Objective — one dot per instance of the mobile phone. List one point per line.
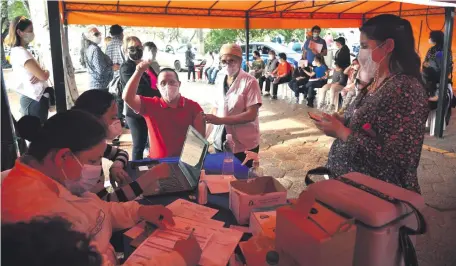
(314, 117)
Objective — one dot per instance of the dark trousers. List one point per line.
(191, 69)
(241, 156)
(268, 80)
(311, 85)
(31, 107)
(298, 86)
(275, 86)
(139, 134)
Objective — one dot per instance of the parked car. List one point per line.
(175, 58)
(264, 48)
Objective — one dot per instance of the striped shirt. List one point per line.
(114, 51)
(99, 67)
(122, 194)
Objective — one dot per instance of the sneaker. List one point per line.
(274, 97)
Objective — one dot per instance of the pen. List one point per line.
(191, 234)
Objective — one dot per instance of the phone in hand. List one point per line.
(314, 116)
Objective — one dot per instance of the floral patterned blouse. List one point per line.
(391, 149)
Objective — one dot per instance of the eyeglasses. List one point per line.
(228, 62)
(134, 48)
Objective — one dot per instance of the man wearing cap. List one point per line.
(236, 105)
(342, 57)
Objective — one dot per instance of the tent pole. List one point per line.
(247, 39)
(440, 116)
(419, 37)
(57, 60)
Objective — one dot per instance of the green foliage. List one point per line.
(216, 38)
(17, 8)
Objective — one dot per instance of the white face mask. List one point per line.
(114, 130)
(315, 35)
(231, 70)
(169, 93)
(90, 175)
(95, 39)
(28, 37)
(368, 67)
(314, 63)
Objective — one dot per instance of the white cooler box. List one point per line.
(378, 221)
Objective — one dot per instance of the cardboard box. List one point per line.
(260, 192)
(324, 237)
(263, 223)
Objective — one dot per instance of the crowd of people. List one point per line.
(380, 132)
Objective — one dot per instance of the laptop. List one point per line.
(185, 174)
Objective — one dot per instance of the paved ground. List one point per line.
(290, 146)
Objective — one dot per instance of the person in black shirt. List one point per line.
(300, 79)
(342, 57)
(271, 65)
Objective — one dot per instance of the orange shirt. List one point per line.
(283, 69)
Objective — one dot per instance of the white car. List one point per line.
(175, 58)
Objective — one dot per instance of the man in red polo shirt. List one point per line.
(168, 117)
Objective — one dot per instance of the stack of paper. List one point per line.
(218, 243)
(218, 184)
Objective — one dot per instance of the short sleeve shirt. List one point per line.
(284, 68)
(310, 55)
(243, 93)
(167, 126)
(18, 57)
(320, 71)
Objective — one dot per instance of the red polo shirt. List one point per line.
(167, 126)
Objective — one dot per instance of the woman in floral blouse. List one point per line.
(382, 131)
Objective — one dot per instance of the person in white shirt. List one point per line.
(50, 180)
(209, 64)
(236, 105)
(30, 78)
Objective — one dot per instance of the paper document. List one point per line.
(163, 241)
(303, 63)
(220, 247)
(218, 183)
(315, 46)
(190, 210)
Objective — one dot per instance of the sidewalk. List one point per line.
(291, 145)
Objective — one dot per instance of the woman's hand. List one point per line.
(119, 174)
(143, 66)
(212, 119)
(156, 214)
(333, 127)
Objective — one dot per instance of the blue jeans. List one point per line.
(31, 107)
(139, 135)
(213, 75)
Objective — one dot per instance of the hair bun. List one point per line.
(29, 128)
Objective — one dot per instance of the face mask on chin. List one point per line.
(90, 175)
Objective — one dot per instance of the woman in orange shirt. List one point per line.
(283, 72)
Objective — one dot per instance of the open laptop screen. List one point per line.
(193, 154)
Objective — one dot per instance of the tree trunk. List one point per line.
(39, 16)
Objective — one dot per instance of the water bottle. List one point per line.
(272, 258)
(228, 149)
(256, 170)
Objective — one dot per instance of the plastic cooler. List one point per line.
(378, 221)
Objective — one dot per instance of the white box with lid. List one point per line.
(378, 220)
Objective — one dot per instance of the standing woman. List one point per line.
(98, 64)
(237, 104)
(30, 77)
(382, 131)
(136, 122)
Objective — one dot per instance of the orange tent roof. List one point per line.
(232, 14)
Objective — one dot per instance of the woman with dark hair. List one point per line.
(147, 87)
(282, 74)
(436, 40)
(257, 65)
(342, 57)
(102, 105)
(30, 78)
(382, 131)
(49, 180)
(99, 66)
(318, 78)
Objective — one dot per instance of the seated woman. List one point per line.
(328, 95)
(283, 74)
(49, 180)
(349, 91)
(257, 65)
(318, 78)
(300, 79)
(103, 106)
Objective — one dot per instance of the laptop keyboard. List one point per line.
(172, 183)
